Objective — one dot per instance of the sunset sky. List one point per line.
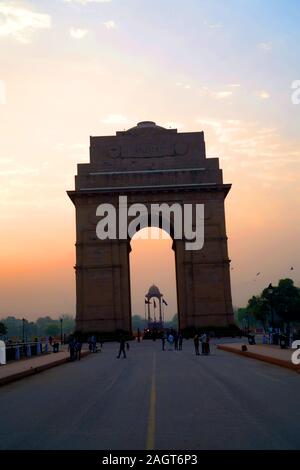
(74, 68)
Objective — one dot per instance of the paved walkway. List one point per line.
(19, 369)
(263, 352)
(157, 399)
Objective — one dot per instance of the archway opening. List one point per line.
(153, 281)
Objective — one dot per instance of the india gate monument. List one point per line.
(150, 164)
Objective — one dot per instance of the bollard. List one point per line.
(17, 354)
(2, 353)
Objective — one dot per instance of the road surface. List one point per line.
(154, 400)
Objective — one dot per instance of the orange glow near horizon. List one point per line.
(152, 261)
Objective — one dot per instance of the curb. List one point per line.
(36, 370)
(261, 357)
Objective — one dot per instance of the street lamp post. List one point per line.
(270, 293)
(247, 324)
(61, 330)
(23, 329)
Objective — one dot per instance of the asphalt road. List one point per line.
(154, 399)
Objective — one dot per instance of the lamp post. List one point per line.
(23, 329)
(61, 330)
(248, 324)
(270, 295)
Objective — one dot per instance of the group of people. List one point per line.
(173, 338)
(74, 349)
(92, 342)
(204, 340)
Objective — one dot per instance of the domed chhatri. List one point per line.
(154, 292)
(146, 127)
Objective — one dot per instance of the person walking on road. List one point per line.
(78, 346)
(71, 349)
(207, 347)
(196, 344)
(170, 341)
(176, 341)
(122, 347)
(203, 343)
(180, 338)
(94, 344)
(163, 341)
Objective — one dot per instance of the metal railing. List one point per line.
(17, 351)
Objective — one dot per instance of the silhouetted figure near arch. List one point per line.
(122, 347)
(163, 342)
(78, 346)
(196, 344)
(176, 341)
(72, 349)
(203, 343)
(180, 339)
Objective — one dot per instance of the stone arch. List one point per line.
(150, 164)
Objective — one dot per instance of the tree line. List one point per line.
(275, 306)
(13, 328)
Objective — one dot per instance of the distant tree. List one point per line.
(13, 325)
(138, 322)
(259, 309)
(3, 329)
(287, 301)
(284, 300)
(173, 323)
(53, 329)
(68, 324)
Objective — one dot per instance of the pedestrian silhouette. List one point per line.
(163, 342)
(196, 344)
(71, 349)
(78, 346)
(176, 341)
(122, 347)
(180, 338)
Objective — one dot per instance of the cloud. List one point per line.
(263, 94)
(265, 46)
(85, 2)
(20, 22)
(217, 25)
(185, 86)
(19, 171)
(110, 24)
(219, 95)
(250, 144)
(115, 119)
(78, 33)
(222, 94)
